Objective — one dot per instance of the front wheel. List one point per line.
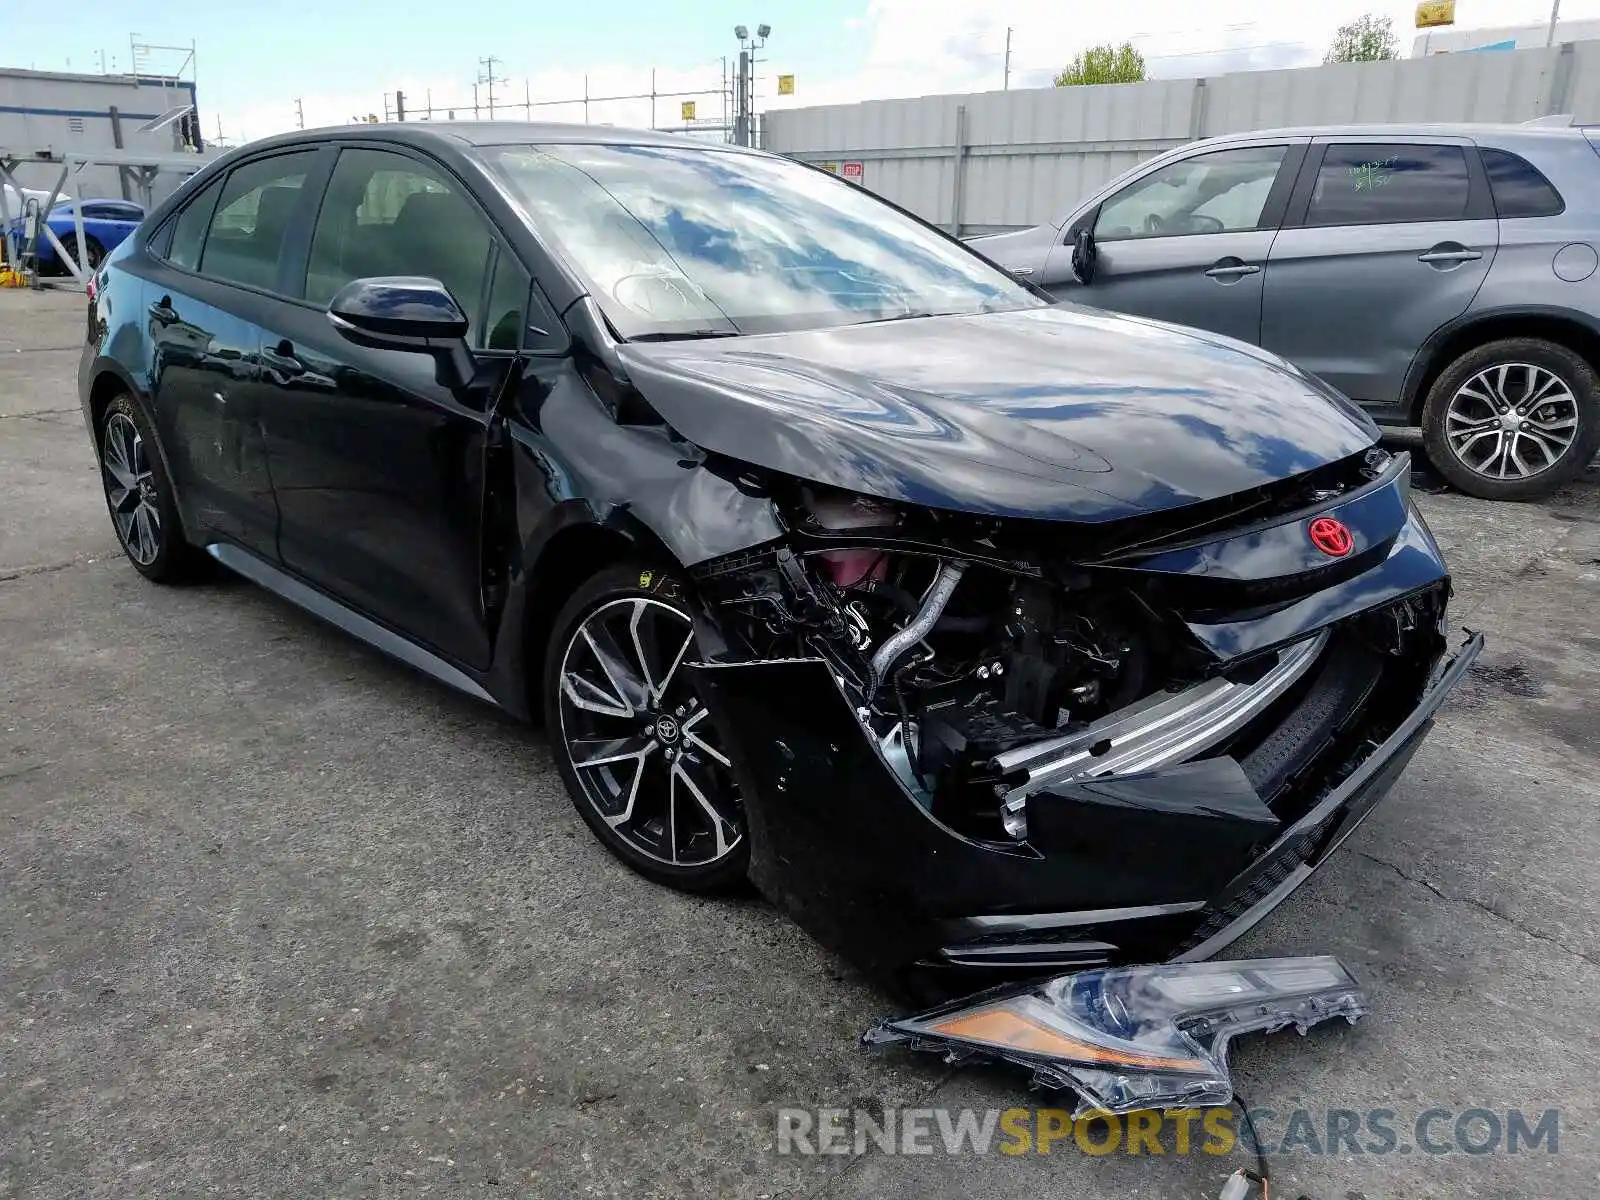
(1513, 420)
(631, 737)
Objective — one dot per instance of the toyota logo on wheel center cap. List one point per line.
(667, 729)
(1331, 536)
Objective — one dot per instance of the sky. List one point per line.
(342, 58)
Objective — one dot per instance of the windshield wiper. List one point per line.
(914, 314)
(688, 335)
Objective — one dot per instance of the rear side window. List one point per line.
(189, 230)
(245, 241)
(1519, 189)
(1382, 184)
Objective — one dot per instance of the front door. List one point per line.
(378, 469)
(1391, 241)
(1188, 243)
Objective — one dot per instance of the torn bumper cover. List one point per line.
(1171, 864)
(1134, 1037)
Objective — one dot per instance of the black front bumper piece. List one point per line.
(838, 842)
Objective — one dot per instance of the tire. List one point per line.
(654, 784)
(139, 497)
(1494, 391)
(95, 253)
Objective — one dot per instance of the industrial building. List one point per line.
(47, 117)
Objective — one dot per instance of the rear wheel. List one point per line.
(139, 497)
(631, 737)
(1513, 420)
(93, 255)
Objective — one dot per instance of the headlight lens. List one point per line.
(1128, 1038)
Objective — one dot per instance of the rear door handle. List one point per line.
(1020, 270)
(1233, 270)
(163, 312)
(282, 361)
(1441, 255)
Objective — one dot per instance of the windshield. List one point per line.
(679, 242)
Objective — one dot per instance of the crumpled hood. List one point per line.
(1058, 413)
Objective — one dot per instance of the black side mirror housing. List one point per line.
(407, 312)
(1083, 254)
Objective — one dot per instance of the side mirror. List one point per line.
(1083, 255)
(406, 312)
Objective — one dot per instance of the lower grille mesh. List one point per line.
(1269, 873)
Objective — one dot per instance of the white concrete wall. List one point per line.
(1029, 155)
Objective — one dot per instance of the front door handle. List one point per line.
(1450, 253)
(163, 312)
(282, 361)
(1020, 270)
(1232, 269)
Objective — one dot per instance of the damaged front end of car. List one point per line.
(975, 749)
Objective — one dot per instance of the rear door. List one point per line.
(1188, 242)
(211, 281)
(378, 469)
(1384, 242)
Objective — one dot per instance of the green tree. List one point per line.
(1104, 64)
(1366, 39)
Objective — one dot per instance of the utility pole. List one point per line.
(1007, 84)
(488, 79)
(399, 106)
(299, 114)
(1550, 34)
(741, 112)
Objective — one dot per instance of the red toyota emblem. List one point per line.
(1331, 536)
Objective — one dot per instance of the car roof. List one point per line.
(1466, 129)
(460, 134)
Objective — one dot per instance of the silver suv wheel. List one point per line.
(1512, 421)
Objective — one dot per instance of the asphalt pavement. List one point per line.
(281, 918)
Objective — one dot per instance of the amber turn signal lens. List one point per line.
(1003, 1027)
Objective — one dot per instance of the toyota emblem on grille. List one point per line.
(1331, 536)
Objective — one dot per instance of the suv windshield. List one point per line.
(677, 242)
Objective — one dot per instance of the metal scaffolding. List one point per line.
(141, 169)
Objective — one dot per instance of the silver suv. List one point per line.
(1440, 275)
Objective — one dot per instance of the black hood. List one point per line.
(1059, 413)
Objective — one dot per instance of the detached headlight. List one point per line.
(1130, 1038)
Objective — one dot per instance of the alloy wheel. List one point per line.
(1511, 421)
(131, 489)
(637, 737)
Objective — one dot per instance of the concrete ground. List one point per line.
(278, 917)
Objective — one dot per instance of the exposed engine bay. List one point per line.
(988, 677)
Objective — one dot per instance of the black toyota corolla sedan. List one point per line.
(985, 635)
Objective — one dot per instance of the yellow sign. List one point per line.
(785, 85)
(1431, 13)
(688, 110)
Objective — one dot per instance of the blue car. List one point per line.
(105, 224)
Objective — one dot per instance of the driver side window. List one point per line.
(389, 214)
(1219, 192)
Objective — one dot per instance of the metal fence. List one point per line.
(706, 112)
(995, 161)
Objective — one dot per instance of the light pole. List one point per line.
(744, 103)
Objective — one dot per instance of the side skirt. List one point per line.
(342, 617)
